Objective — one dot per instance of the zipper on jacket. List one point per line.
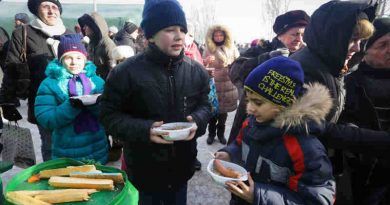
(172, 96)
(185, 106)
(171, 84)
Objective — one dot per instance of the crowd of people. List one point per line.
(312, 105)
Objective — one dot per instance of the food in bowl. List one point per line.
(219, 178)
(175, 131)
(224, 171)
(174, 128)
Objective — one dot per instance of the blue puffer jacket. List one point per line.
(287, 162)
(54, 111)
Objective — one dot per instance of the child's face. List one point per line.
(218, 36)
(260, 108)
(170, 40)
(74, 62)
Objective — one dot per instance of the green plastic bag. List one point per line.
(123, 194)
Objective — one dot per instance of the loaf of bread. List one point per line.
(56, 191)
(117, 177)
(21, 199)
(81, 183)
(63, 197)
(66, 171)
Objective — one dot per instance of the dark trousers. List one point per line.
(217, 125)
(239, 118)
(46, 143)
(178, 197)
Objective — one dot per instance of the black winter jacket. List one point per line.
(4, 41)
(322, 62)
(125, 39)
(153, 87)
(368, 106)
(39, 54)
(368, 98)
(327, 37)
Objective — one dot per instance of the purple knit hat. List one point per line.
(70, 43)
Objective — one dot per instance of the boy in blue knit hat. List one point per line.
(66, 103)
(160, 85)
(287, 164)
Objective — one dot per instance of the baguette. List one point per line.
(21, 199)
(66, 171)
(71, 196)
(82, 183)
(57, 191)
(117, 177)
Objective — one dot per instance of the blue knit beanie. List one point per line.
(159, 14)
(279, 80)
(70, 43)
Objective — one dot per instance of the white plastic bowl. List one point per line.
(221, 180)
(175, 134)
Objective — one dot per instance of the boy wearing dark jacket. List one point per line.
(277, 143)
(158, 86)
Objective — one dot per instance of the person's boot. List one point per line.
(221, 134)
(197, 165)
(212, 131)
(210, 139)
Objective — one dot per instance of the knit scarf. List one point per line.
(51, 31)
(85, 121)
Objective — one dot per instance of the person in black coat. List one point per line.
(127, 36)
(23, 81)
(4, 41)
(158, 86)
(332, 37)
(368, 105)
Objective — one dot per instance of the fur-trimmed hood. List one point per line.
(225, 53)
(57, 71)
(311, 107)
(210, 45)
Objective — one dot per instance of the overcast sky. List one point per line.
(244, 16)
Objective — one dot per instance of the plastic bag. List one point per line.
(213, 98)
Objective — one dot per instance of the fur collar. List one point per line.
(229, 44)
(57, 71)
(313, 106)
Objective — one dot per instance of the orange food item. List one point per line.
(33, 178)
(226, 172)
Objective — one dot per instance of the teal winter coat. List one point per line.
(54, 111)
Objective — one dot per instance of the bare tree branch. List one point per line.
(273, 8)
(202, 15)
